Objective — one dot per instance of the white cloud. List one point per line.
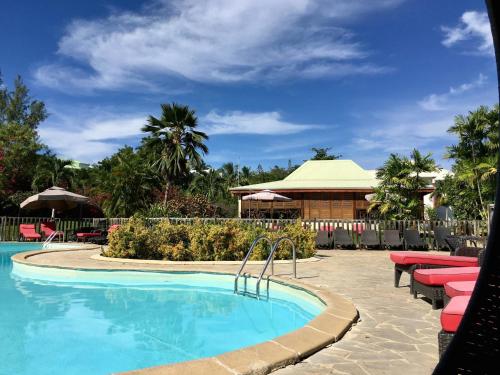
(90, 134)
(89, 139)
(212, 41)
(410, 125)
(473, 25)
(262, 123)
(438, 102)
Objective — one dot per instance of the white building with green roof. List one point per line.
(319, 189)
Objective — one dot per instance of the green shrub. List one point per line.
(200, 245)
(304, 240)
(201, 241)
(133, 240)
(176, 252)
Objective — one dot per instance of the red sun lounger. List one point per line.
(49, 228)
(27, 232)
(409, 261)
(113, 227)
(86, 233)
(451, 316)
(430, 282)
(458, 288)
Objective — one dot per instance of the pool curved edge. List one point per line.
(326, 328)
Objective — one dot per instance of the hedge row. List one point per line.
(203, 241)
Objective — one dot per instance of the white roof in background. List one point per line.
(436, 176)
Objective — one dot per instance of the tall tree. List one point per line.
(127, 182)
(17, 106)
(210, 184)
(20, 148)
(175, 143)
(52, 171)
(475, 155)
(398, 194)
(323, 154)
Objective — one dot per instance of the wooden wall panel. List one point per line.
(324, 205)
(318, 205)
(336, 205)
(347, 206)
(314, 205)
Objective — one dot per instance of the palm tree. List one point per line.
(398, 193)
(209, 183)
(245, 175)
(128, 184)
(475, 153)
(175, 142)
(53, 171)
(230, 175)
(390, 196)
(422, 163)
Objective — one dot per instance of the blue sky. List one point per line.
(269, 80)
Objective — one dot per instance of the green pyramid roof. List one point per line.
(321, 174)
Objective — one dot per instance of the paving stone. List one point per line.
(397, 346)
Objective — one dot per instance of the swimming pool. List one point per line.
(58, 321)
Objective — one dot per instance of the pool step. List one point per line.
(246, 290)
(272, 247)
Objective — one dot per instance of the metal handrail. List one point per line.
(252, 247)
(270, 259)
(49, 239)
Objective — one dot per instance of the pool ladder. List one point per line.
(49, 239)
(270, 260)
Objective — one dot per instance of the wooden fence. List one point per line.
(9, 226)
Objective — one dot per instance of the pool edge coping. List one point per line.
(325, 329)
(198, 262)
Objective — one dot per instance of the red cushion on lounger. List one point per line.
(452, 314)
(459, 288)
(28, 231)
(440, 276)
(414, 257)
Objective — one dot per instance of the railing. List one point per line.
(270, 259)
(9, 226)
(249, 253)
(49, 239)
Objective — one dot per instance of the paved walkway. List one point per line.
(396, 334)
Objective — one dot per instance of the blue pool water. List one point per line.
(90, 322)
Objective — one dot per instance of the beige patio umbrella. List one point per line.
(265, 195)
(370, 197)
(54, 198)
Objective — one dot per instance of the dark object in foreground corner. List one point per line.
(475, 348)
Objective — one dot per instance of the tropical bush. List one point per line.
(134, 240)
(201, 241)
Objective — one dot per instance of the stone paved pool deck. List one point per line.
(395, 334)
